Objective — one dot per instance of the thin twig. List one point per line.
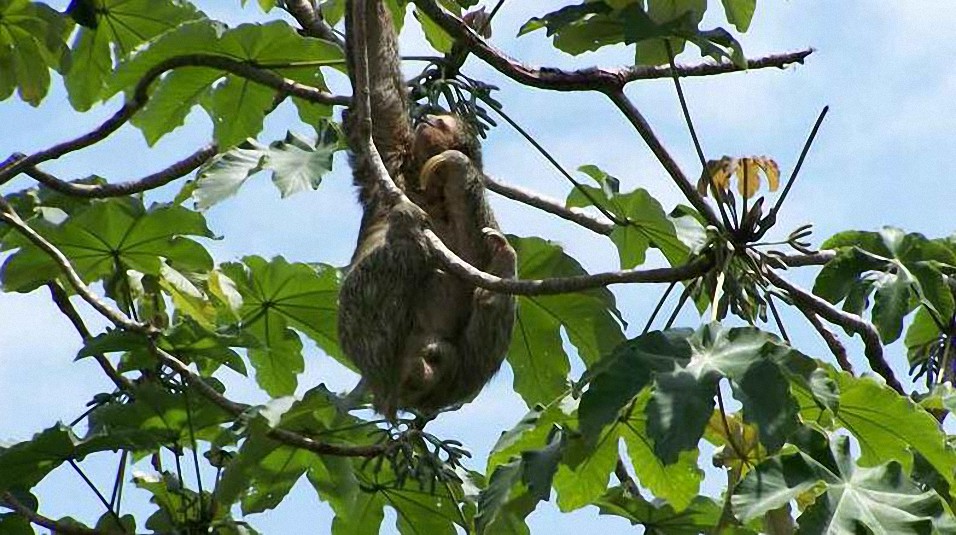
(771, 218)
(149, 182)
(620, 471)
(591, 79)
(830, 338)
(237, 409)
(62, 301)
(777, 318)
(99, 495)
(816, 259)
(554, 163)
(872, 346)
(685, 108)
(551, 206)
(670, 165)
(658, 307)
(10, 217)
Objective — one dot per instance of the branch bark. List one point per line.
(591, 79)
(450, 261)
(599, 225)
(872, 346)
(310, 18)
(10, 501)
(155, 180)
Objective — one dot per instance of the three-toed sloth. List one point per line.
(422, 338)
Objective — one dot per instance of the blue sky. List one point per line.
(882, 157)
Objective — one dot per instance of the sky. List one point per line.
(882, 158)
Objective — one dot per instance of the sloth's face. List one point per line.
(438, 133)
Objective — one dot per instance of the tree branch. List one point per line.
(453, 263)
(62, 301)
(836, 347)
(816, 259)
(140, 96)
(873, 347)
(552, 206)
(10, 217)
(643, 128)
(10, 501)
(155, 180)
(310, 18)
(237, 409)
(591, 79)
(120, 320)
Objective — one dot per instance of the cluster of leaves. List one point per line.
(658, 397)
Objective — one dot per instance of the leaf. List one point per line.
(647, 225)
(109, 237)
(888, 426)
(296, 165)
(702, 516)
(740, 13)
(676, 483)
(32, 41)
(880, 499)
(617, 379)
(589, 319)
(120, 27)
(278, 295)
(236, 105)
(760, 369)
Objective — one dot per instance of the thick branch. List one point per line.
(558, 285)
(591, 79)
(872, 347)
(310, 18)
(140, 95)
(155, 180)
(552, 206)
(10, 501)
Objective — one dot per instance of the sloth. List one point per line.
(423, 339)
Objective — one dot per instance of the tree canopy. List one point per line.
(618, 418)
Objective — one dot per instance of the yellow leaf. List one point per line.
(748, 177)
(772, 170)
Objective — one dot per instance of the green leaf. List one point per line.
(740, 12)
(436, 36)
(888, 426)
(236, 105)
(589, 319)
(157, 417)
(678, 413)
(891, 303)
(172, 100)
(702, 516)
(109, 237)
(278, 295)
(647, 225)
(617, 379)
(676, 483)
(881, 499)
(120, 27)
(32, 41)
(296, 165)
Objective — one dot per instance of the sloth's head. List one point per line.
(435, 134)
